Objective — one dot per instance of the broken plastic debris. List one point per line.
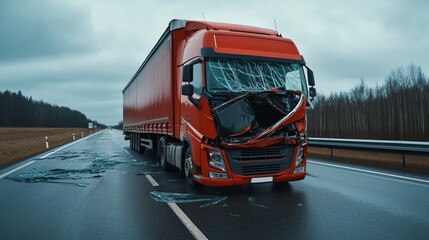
(55, 174)
(213, 203)
(99, 164)
(145, 163)
(169, 197)
(252, 201)
(234, 215)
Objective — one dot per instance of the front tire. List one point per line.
(189, 168)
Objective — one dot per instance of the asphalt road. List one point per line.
(99, 189)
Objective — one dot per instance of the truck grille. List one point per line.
(257, 161)
(260, 169)
(261, 154)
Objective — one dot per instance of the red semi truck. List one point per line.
(224, 103)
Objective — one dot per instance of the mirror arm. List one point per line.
(195, 101)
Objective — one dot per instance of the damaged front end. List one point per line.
(260, 119)
(259, 111)
(256, 103)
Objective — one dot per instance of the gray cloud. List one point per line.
(81, 54)
(37, 29)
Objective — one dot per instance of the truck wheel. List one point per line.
(132, 141)
(162, 146)
(138, 143)
(188, 166)
(140, 148)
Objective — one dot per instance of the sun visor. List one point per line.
(272, 47)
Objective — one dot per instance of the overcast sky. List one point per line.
(81, 54)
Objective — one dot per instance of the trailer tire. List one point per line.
(162, 153)
(188, 166)
(140, 148)
(138, 142)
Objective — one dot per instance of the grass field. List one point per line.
(19, 143)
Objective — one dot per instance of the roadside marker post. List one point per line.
(74, 138)
(82, 134)
(47, 142)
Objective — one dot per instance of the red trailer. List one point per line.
(224, 103)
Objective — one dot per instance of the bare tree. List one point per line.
(398, 109)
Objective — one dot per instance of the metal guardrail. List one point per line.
(407, 146)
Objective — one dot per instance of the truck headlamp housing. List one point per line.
(299, 170)
(216, 160)
(299, 155)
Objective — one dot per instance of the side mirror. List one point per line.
(312, 92)
(187, 73)
(310, 75)
(188, 90)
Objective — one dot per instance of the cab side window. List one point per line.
(197, 78)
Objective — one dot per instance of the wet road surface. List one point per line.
(99, 189)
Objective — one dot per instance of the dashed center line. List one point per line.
(196, 232)
(152, 181)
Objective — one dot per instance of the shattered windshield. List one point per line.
(241, 75)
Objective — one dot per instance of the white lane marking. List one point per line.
(16, 169)
(68, 145)
(187, 222)
(152, 181)
(373, 172)
(195, 231)
(127, 151)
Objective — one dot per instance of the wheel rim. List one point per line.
(189, 167)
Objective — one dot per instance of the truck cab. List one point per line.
(244, 94)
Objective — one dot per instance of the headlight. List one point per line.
(216, 160)
(299, 170)
(299, 155)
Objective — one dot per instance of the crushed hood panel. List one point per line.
(257, 116)
(235, 118)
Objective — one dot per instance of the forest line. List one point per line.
(17, 110)
(396, 110)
